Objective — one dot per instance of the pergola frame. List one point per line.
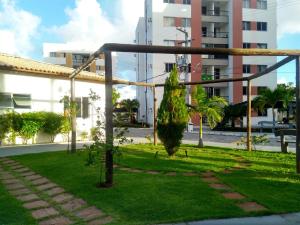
(107, 49)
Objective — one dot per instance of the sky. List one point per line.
(26, 24)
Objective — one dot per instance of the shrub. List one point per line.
(52, 124)
(5, 125)
(172, 114)
(29, 130)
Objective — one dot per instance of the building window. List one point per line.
(261, 68)
(262, 26)
(169, 21)
(246, 25)
(217, 73)
(169, 1)
(22, 101)
(186, 2)
(169, 67)
(186, 22)
(204, 10)
(246, 45)
(100, 68)
(262, 45)
(217, 92)
(52, 54)
(245, 91)
(169, 42)
(79, 59)
(82, 107)
(5, 100)
(246, 68)
(246, 3)
(262, 4)
(260, 90)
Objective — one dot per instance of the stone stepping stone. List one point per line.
(7, 175)
(116, 166)
(40, 181)
(152, 172)
(208, 174)
(210, 179)
(43, 213)
(57, 221)
(36, 204)
(15, 186)
(20, 192)
(227, 171)
(8, 161)
(27, 198)
(135, 170)
(190, 174)
(220, 186)
(172, 174)
(55, 191)
(32, 177)
(74, 205)
(11, 181)
(101, 221)
(24, 169)
(62, 198)
(251, 207)
(125, 169)
(233, 195)
(89, 213)
(26, 174)
(46, 186)
(17, 166)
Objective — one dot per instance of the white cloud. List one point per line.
(127, 92)
(288, 17)
(282, 80)
(89, 27)
(18, 28)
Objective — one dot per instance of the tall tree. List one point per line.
(289, 94)
(172, 115)
(269, 98)
(211, 108)
(130, 105)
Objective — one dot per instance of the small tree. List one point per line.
(211, 108)
(115, 96)
(5, 124)
(130, 105)
(172, 114)
(53, 123)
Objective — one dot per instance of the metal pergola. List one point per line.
(107, 49)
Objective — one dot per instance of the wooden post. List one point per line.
(298, 114)
(73, 116)
(108, 120)
(154, 117)
(249, 144)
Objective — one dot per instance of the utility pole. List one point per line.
(185, 64)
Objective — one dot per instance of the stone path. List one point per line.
(48, 203)
(214, 182)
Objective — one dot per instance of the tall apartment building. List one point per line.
(208, 24)
(64, 55)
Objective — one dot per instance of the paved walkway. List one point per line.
(48, 203)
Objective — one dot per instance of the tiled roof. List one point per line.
(31, 67)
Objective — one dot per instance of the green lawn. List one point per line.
(149, 199)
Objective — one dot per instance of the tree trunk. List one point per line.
(273, 113)
(288, 114)
(200, 143)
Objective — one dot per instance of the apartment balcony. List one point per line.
(215, 77)
(215, 38)
(100, 62)
(214, 60)
(215, 16)
(55, 60)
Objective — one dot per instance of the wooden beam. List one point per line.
(249, 125)
(125, 82)
(154, 117)
(298, 114)
(73, 116)
(195, 50)
(109, 132)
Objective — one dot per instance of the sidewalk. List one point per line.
(283, 219)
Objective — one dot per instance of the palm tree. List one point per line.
(211, 108)
(269, 98)
(130, 105)
(289, 94)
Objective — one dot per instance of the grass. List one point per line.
(149, 199)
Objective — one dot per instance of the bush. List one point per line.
(172, 114)
(5, 125)
(29, 130)
(53, 124)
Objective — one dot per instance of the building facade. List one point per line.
(208, 24)
(30, 86)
